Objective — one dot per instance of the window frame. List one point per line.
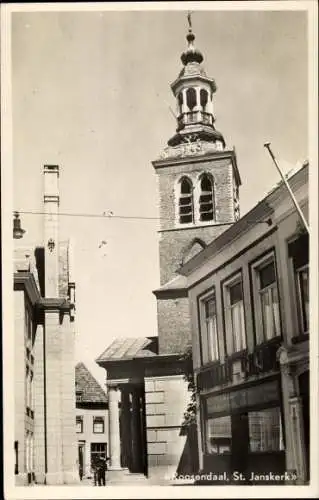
(79, 420)
(281, 434)
(204, 333)
(300, 302)
(97, 419)
(179, 205)
(228, 283)
(201, 192)
(257, 308)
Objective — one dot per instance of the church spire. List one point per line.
(193, 91)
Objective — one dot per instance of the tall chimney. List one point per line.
(51, 222)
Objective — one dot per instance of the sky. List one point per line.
(91, 93)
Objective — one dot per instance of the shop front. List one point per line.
(243, 439)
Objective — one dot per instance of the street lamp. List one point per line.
(18, 232)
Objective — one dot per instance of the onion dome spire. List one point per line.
(191, 54)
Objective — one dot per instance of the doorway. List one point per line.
(81, 459)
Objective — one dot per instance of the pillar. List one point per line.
(87, 458)
(184, 105)
(68, 405)
(136, 431)
(114, 427)
(125, 428)
(198, 108)
(53, 410)
(295, 406)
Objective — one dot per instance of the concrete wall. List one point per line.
(20, 392)
(166, 399)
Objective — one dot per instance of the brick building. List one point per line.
(249, 301)
(45, 440)
(91, 420)
(198, 188)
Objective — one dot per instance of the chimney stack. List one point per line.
(51, 229)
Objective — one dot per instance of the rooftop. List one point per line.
(87, 387)
(130, 348)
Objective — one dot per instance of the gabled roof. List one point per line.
(87, 388)
(130, 348)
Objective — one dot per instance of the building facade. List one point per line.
(44, 302)
(249, 305)
(198, 183)
(91, 420)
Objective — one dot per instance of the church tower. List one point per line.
(198, 183)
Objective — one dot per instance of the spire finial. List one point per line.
(189, 19)
(191, 54)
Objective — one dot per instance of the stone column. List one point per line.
(87, 458)
(136, 431)
(295, 405)
(198, 108)
(114, 427)
(184, 105)
(126, 428)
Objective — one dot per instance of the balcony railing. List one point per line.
(262, 360)
(195, 117)
(217, 374)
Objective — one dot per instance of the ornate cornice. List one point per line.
(54, 304)
(26, 281)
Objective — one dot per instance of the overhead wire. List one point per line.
(110, 215)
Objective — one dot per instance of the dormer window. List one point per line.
(186, 212)
(206, 199)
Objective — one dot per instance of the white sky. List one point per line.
(90, 92)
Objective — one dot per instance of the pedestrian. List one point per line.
(102, 471)
(81, 472)
(95, 472)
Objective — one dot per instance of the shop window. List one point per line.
(267, 313)
(98, 425)
(234, 316)
(218, 435)
(206, 198)
(265, 430)
(210, 346)
(79, 424)
(298, 250)
(98, 451)
(186, 201)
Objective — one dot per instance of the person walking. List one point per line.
(102, 471)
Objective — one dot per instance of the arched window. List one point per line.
(206, 198)
(203, 99)
(191, 98)
(186, 201)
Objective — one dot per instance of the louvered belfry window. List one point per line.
(206, 199)
(186, 202)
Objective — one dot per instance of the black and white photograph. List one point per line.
(159, 223)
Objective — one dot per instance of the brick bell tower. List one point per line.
(198, 182)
